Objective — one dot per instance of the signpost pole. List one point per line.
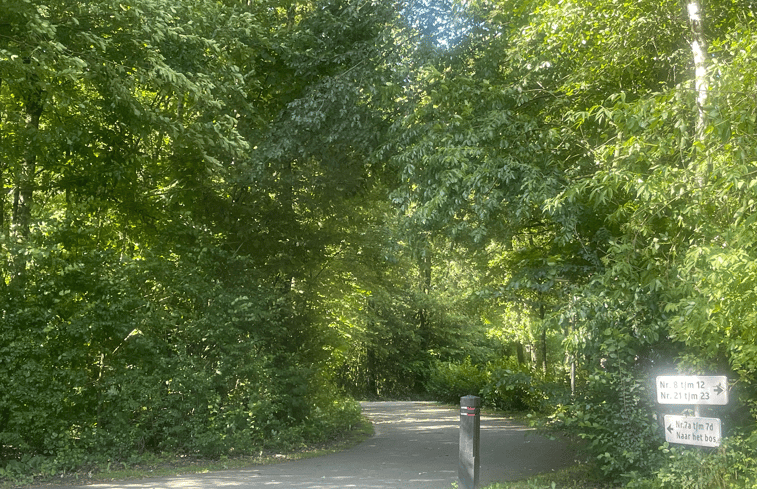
(470, 436)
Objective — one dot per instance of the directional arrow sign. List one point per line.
(692, 389)
(689, 430)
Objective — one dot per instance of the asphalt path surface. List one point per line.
(415, 446)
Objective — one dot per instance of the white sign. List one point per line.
(692, 389)
(689, 430)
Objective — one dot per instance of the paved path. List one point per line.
(415, 446)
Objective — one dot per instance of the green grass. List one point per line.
(575, 477)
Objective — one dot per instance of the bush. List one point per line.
(732, 465)
(105, 359)
(615, 415)
(503, 385)
(448, 382)
(514, 387)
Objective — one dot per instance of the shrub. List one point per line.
(514, 387)
(146, 356)
(615, 416)
(448, 382)
(503, 384)
(732, 465)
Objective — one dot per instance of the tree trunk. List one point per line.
(573, 376)
(424, 266)
(542, 313)
(544, 350)
(701, 86)
(288, 210)
(2, 181)
(23, 194)
(698, 50)
(519, 351)
(370, 371)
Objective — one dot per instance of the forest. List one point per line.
(224, 221)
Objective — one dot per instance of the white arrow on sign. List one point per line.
(692, 389)
(689, 430)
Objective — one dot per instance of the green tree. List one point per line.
(576, 135)
(178, 173)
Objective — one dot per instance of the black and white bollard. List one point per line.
(470, 436)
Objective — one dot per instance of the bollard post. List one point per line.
(470, 436)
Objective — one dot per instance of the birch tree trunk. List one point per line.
(2, 180)
(698, 49)
(701, 86)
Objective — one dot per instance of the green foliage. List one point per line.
(517, 387)
(449, 381)
(151, 371)
(733, 464)
(501, 384)
(578, 476)
(616, 218)
(614, 413)
(161, 236)
(197, 252)
(157, 359)
(398, 340)
(408, 309)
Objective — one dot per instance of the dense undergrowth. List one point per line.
(344, 429)
(614, 419)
